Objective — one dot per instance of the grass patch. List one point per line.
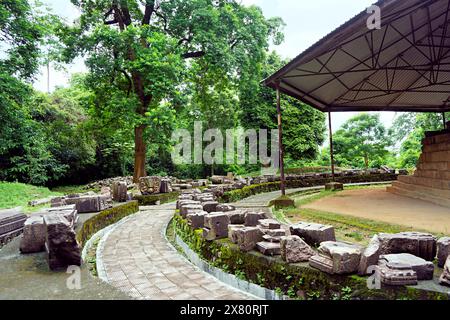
(19, 194)
(73, 189)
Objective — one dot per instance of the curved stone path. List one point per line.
(137, 259)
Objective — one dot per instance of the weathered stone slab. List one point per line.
(150, 185)
(445, 277)
(370, 256)
(294, 250)
(269, 224)
(166, 186)
(217, 225)
(334, 186)
(396, 274)
(225, 208)
(34, 232)
(422, 245)
(313, 233)
(337, 258)
(196, 220)
(210, 206)
(252, 218)
(182, 202)
(268, 238)
(119, 191)
(89, 204)
(60, 242)
(424, 269)
(269, 248)
(274, 232)
(190, 208)
(248, 237)
(236, 217)
(232, 232)
(443, 251)
(11, 224)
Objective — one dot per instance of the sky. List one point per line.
(306, 23)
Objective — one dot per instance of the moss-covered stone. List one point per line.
(153, 199)
(298, 281)
(105, 219)
(282, 203)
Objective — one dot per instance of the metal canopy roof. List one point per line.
(404, 66)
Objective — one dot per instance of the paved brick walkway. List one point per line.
(138, 260)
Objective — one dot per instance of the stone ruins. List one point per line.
(11, 224)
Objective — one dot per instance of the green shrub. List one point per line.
(105, 219)
(152, 200)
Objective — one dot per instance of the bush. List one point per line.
(105, 219)
(151, 200)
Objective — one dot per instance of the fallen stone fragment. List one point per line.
(269, 248)
(236, 217)
(89, 203)
(370, 256)
(166, 186)
(424, 269)
(313, 233)
(232, 232)
(119, 191)
(190, 208)
(196, 220)
(150, 185)
(268, 238)
(252, 218)
(337, 258)
(334, 186)
(60, 242)
(11, 224)
(33, 239)
(182, 202)
(269, 224)
(445, 277)
(225, 208)
(294, 250)
(248, 237)
(396, 274)
(210, 206)
(274, 232)
(217, 224)
(422, 245)
(443, 251)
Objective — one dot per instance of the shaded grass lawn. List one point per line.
(18, 195)
(348, 228)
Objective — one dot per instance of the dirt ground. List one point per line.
(379, 205)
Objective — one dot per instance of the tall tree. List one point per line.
(362, 140)
(142, 47)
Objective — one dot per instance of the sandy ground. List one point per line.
(377, 204)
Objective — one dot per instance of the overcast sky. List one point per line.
(306, 23)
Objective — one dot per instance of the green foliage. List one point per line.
(105, 219)
(362, 142)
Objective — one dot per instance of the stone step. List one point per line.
(439, 156)
(426, 182)
(433, 174)
(440, 166)
(436, 147)
(421, 195)
(421, 189)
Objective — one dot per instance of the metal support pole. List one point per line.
(331, 146)
(280, 141)
(445, 120)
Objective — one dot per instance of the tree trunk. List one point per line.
(139, 153)
(366, 162)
